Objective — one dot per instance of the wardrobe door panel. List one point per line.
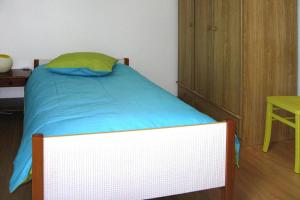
(203, 47)
(227, 54)
(186, 43)
(270, 60)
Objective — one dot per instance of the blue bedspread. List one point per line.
(60, 104)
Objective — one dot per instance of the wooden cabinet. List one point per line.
(235, 53)
(203, 38)
(186, 74)
(13, 78)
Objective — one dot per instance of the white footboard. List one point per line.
(139, 164)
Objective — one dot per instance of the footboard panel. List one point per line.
(139, 164)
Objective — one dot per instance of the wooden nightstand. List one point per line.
(13, 78)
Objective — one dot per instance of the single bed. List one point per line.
(143, 142)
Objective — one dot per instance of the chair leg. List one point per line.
(268, 128)
(297, 144)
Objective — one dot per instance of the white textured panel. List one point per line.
(135, 165)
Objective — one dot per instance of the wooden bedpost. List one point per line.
(230, 163)
(126, 61)
(37, 167)
(36, 62)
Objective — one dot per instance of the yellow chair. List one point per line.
(291, 104)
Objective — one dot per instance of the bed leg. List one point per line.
(229, 178)
(37, 167)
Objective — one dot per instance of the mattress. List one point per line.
(124, 100)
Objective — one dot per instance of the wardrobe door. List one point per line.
(186, 43)
(203, 47)
(226, 70)
(270, 63)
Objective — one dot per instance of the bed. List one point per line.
(143, 142)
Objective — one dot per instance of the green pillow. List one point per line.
(82, 64)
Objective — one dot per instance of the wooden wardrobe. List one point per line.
(235, 53)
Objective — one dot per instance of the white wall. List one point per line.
(143, 30)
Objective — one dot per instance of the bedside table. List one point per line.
(13, 78)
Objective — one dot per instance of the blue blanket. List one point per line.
(124, 100)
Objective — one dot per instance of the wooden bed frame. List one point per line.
(42, 147)
(36, 62)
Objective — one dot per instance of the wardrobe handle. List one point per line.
(209, 27)
(191, 24)
(214, 28)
